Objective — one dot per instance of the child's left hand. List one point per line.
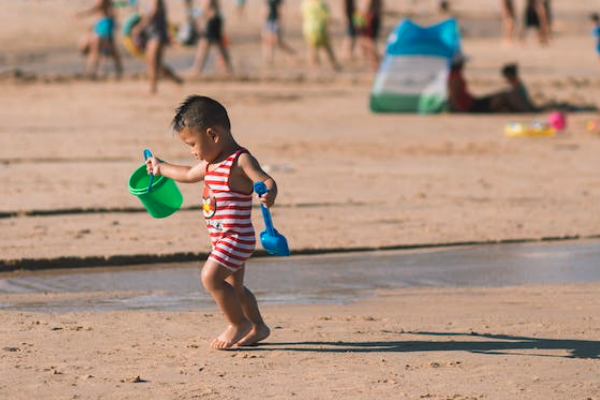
(268, 199)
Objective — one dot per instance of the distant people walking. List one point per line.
(509, 18)
(315, 27)
(152, 34)
(213, 35)
(273, 31)
(369, 24)
(538, 16)
(100, 41)
(349, 11)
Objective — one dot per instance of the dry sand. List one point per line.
(347, 179)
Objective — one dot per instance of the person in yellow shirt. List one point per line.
(315, 21)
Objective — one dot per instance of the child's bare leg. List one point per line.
(117, 58)
(313, 56)
(214, 278)
(201, 56)
(170, 74)
(93, 57)
(225, 57)
(84, 43)
(260, 331)
(331, 56)
(153, 49)
(282, 44)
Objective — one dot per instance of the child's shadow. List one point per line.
(499, 344)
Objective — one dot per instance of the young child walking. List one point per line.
(229, 172)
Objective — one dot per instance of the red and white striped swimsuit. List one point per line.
(228, 217)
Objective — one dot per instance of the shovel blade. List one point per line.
(275, 244)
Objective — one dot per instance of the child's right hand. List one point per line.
(153, 166)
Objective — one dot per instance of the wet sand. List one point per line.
(330, 279)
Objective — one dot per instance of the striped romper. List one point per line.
(228, 217)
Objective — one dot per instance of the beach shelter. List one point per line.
(413, 74)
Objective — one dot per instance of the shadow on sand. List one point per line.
(500, 344)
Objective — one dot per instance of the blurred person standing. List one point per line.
(315, 27)
(349, 10)
(369, 19)
(100, 41)
(152, 31)
(213, 35)
(272, 34)
(595, 20)
(538, 15)
(507, 8)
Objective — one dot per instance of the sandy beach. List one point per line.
(348, 179)
(511, 343)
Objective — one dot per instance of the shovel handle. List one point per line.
(260, 188)
(147, 155)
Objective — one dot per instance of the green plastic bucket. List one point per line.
(163, 198)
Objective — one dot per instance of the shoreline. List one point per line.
(74, 262)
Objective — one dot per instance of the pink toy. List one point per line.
(557, 120)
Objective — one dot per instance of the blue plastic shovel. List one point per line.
(270, 239)
(147, 155)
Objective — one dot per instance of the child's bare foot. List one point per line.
(256, 334)
(231, 336)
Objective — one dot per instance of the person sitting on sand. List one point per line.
(152, 30)
(213, 36)
(229, 172)
(461, 100)
(315, 27)
(519, 100)
(100, 41)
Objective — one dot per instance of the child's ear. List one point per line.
(212, 134)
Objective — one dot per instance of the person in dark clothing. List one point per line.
(273, 31)
(538, 16)
(213, 36)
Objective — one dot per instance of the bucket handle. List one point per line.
(147, 155)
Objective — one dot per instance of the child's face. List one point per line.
(203, 143)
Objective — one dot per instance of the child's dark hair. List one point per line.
(510, 71)
(595, 17)
(200, 112)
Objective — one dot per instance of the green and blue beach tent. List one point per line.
(413, 74)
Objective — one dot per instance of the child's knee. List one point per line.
(210, 281)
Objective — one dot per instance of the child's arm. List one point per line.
(179, 173)
(254, 172)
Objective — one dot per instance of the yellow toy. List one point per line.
(532, 129)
